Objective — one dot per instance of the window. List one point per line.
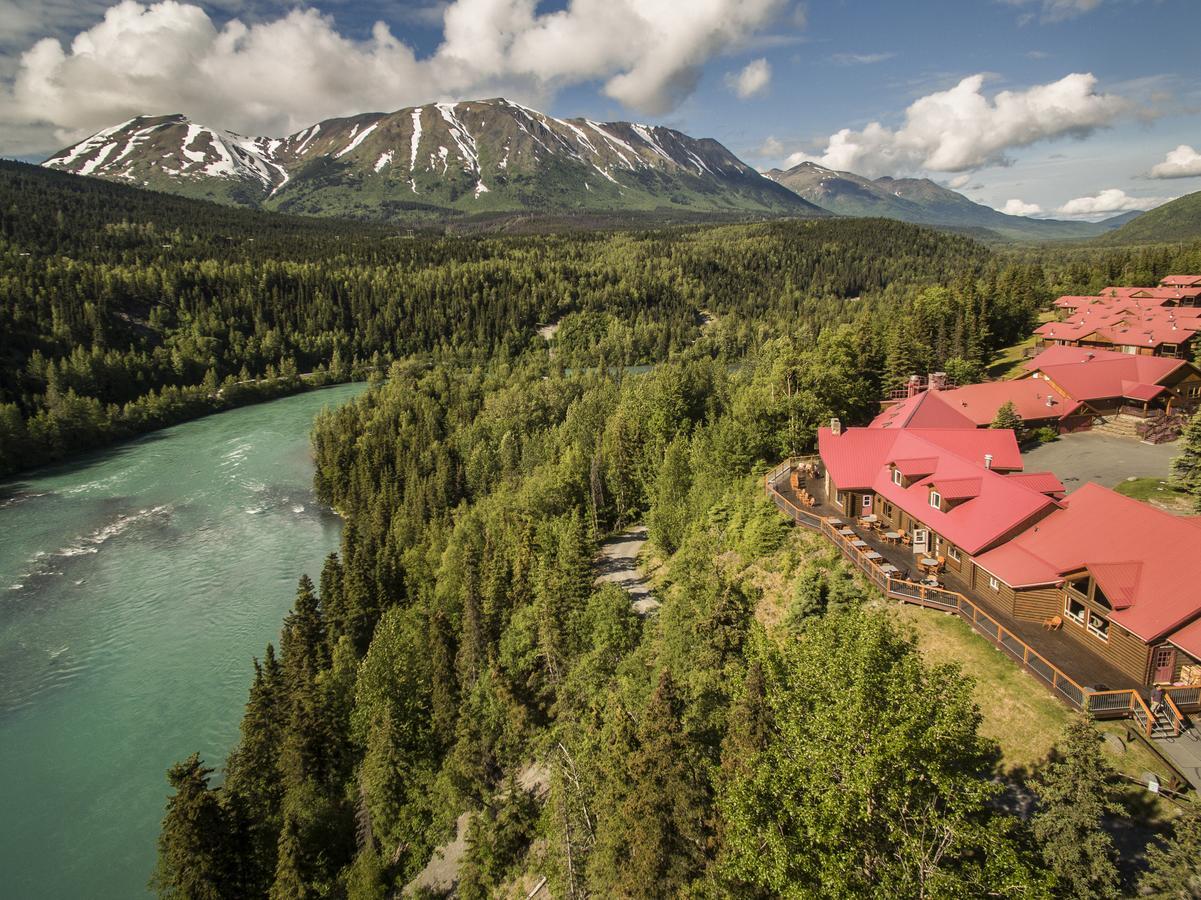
(1081, 585)
(936, 499)
(993, 583)
(1170, 350)
(1194, 391)
(1098, 626)
(897, 478)
(1075, 611)
(953, 552)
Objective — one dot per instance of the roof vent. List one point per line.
(836, 426)
(988, 460)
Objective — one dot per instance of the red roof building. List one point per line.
(1104, 381)
(1184, 281)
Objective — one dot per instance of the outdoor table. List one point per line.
(845, 532)
(889, 569)
(870, 518)
(837, 523)
(892, 536)
(858, 544)
(873, 555)
(929, 563)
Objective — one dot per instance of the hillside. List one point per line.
(435, 162)
(1179, 220)
(920, 201)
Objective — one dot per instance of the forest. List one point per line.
(455, 656)
(124, 310)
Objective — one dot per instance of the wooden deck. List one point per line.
(1067, 667)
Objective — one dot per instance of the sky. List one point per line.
(1054, 108)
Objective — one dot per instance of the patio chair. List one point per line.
(1052, 623)
(906, 539)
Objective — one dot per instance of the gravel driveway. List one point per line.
(1103, 458)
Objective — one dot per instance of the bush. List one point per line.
(1045, 435)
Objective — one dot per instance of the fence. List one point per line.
(1117, 704)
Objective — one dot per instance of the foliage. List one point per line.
(1186, 468)
(1076, 792)
(1174, 865)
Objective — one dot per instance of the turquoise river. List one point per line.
(136, 585)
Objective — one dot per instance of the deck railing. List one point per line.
(1102, 703)
(1187, 699)
(1172, 712)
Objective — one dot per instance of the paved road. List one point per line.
(618, 562)
(1103, 458)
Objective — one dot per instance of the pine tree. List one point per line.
(194, 853)
(1186, 468)
(660, 828)
(1007, 418)
(1076, 792)
(1174, 865)
(253, 781)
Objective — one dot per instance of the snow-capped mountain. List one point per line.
(475, 156)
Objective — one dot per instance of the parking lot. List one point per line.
(1107, 460)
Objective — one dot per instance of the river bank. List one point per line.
(136, 583)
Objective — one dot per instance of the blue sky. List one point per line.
(978, 94)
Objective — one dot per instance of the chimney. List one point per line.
(938, 381)
(836, 426)
(988, 460)
(914, 386)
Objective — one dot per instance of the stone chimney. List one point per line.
(914, 386)
(988, 460)
(938, 381)
(836, 426)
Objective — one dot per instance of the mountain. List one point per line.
(918, 200)
(1179, 220)
(438, 160)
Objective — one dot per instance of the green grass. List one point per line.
(1017, 711)
(1008, 361)
(1156, 491)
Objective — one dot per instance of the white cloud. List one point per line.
(753, 79)
(1183, 162)
(278, 75)
(959, 181)
(859, 59)
(1107, 203)
(1058, 10)
(962, 129)
(1015, 207)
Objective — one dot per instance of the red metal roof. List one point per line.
(1109, 376)
(1145, 556)
(957, 488)
(1137, 390)
(916, 467)
(1043, 482)
(855, 457)
(1188, 638)
(997, 506)
(925, 410)
(1033, 400)
(1181, 281)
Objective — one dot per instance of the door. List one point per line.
(921, 541)
(867, 505)
(1163, 663)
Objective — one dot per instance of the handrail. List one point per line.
(1186, 697)
(936, 598)
(1138, 705)
(1173, 714)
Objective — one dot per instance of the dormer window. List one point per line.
(897, 477)
(936, 499)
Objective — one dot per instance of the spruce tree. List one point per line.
(1186, 468)
(1174, 865)
(1007, 417)
(194, 854)
(1076, 791)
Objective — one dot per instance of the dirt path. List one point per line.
(618, 563)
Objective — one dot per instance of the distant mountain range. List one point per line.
(436, 161)
(923, 202)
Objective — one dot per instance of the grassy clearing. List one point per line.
(1157, 492)
(1009, 360)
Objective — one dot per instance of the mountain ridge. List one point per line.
(920, 201)
(476, 156)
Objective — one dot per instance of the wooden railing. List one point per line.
(1112, 703)
(1173, 714)
(1187, 699)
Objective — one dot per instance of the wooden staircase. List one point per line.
(1120, 425)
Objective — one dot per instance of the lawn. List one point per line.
(1009, 360)
(1018, 712)
(1156, 491)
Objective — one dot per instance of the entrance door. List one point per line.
(921, 541)
(867, 505)
(1163, 663)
